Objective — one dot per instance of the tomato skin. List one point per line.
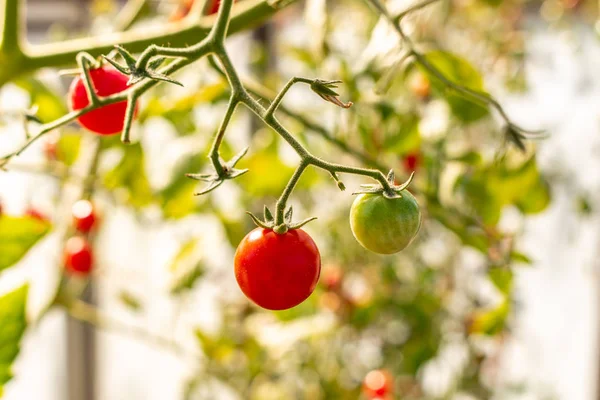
(384, 225)
(275, 271)
(106, 120)
(378, 384)
(84, 216)
(78, 257)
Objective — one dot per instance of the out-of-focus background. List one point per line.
(497, 298)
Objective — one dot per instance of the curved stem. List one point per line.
(214, 149)
(475, 95)
(219, 30)
(277, 101)
(281, 203)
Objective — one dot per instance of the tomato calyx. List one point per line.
(137, 73)
(377, 188)
(216, 179)
(325, 89)
(268, 222)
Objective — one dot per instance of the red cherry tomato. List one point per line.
(332, 277)
(33, 213)
(213, 7)
(378, 383)
(78, 256)
(84, 216)
(106, 120)
(275, 271)
(412, 161)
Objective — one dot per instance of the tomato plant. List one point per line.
(108, 119)
(276, 271)
(255, 138)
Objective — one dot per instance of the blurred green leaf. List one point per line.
(178, 198)
(12, 326)
(186, 268)
(17, 236)
(488, 190)
(179, 111)
(520, 258)
(461, 72)
(405, 134)
(502, 278)
(129, 175)
(489, 322)
(130, 301)
(50, 105)
(67, 147)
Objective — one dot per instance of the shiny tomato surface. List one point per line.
(106, 120)
(275, 271)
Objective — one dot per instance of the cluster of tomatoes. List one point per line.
(78, 255)
(276, 271)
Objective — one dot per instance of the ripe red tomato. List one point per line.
(411, 161)
(84, 216)
(378, 384)
(275, 271)
(78, 256)
(384, 225)
(106, 120)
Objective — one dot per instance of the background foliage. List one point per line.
(440, 311)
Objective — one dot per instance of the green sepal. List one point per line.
(215, 179)
(378, 189)
(268, 215)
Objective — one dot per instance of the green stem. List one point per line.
(85, 61)
(214, 150)
(11, 26)
(477, 96)
(247, 14)
(219, 30)
(277, 101)
(282, 202)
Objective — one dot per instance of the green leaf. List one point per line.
(12, 326)
(130, 301)
(130, 176)
(67, 147)
(490, 322)
(519, 257)
(50, 106)
(178, 198)
(502, 278)
(490, 189)
(17, 236)
(186, 267)
(460, 72)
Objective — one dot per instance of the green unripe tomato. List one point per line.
(384, 225)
